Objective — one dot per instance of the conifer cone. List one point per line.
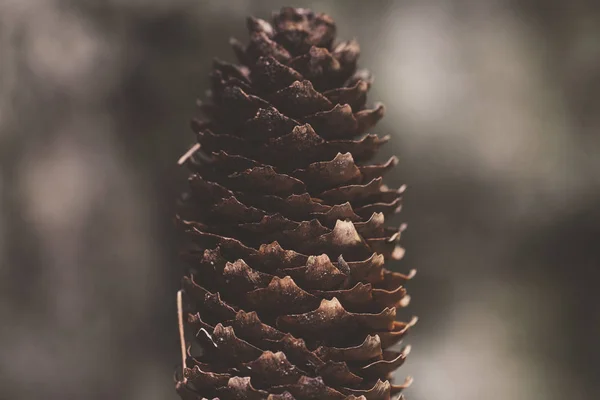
(287, 295)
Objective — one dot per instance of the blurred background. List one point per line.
(494, 111)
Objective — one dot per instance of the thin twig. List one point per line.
(188, 154)
(181, 334)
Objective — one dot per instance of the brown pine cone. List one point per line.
(287, 294)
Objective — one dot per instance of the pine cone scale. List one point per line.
(287, 293)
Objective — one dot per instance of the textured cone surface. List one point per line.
(287, 296)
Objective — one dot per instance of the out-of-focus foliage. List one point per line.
(493, 110)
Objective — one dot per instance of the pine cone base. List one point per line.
(287, 293)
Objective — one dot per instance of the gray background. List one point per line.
(493, 108)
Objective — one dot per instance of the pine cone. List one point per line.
(287, 293)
